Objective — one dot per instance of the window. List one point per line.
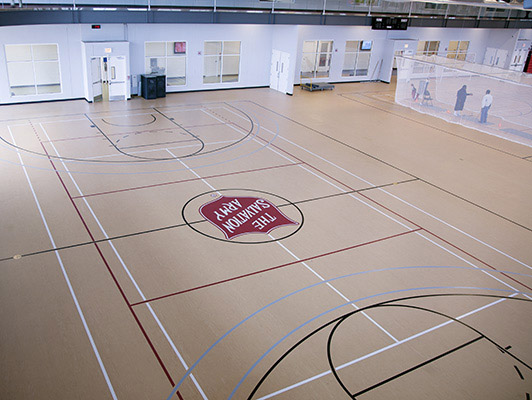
(221, 62)
(428, 48)
(357, 57)
(167, 58)
(458, 49)
(316, 61)
(33, 69)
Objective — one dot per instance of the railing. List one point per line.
(364, 7)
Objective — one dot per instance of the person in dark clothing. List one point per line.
(461, 96)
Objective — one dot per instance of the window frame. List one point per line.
(357, 54)
(166, 57)
(318, 56)
(32, 62)
(221, 56)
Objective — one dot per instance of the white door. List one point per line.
(96, 79)
(275, 67)
(500, 58)
(489, 57)
(117, 78)
(283, 73)
(517, 63)
(279, 71)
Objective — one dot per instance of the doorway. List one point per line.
(108, 77)
(279, 72)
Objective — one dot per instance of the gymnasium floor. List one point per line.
(404, 271)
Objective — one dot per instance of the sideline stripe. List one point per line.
(124, 297)
(70, 288)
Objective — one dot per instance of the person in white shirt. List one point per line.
(486, 104)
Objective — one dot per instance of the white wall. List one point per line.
(257, 44)
(255, 50)
(339, 35)
(68, 39)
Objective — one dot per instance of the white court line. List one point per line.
(388, 193)
(194, 172)
(151, 150)
(65, 275)
(126, 269)
(387, 216)
(106, 116)
(290, 252)
(381, 350)
(337, 291)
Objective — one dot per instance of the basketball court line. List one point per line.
(191, 223)
(147, 151)
(111, 111)
(389, 301)
(152, 312)
(337, 307)
(380, 205)
(386, 163)
(305, 265)
(393, 212)
(321, 278)
(69, 285)
(404, 201)
(383, 349)
(139, 157)
(332, 287)
(322, 178)
(234, 278)
(184, 180)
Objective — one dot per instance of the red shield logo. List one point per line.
(237, 216)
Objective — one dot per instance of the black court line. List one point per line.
(396, 302)
(519, 372)
(391, 165)
(157, 144)
(131, 125)
(81, 114)
(407, 371)
(127, 235)
(144, 159)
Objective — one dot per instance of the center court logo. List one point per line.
(237, 216)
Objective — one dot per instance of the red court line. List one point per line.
(398, 215)
(122, 293)
(449, 243)
(274, 268)
(185, 180)
(288, 153)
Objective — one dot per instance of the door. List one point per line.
(117, 74)
(96, 79)
(279, 71)
(275, 67)
(489, 57)
(500, 59)
(283, 73)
